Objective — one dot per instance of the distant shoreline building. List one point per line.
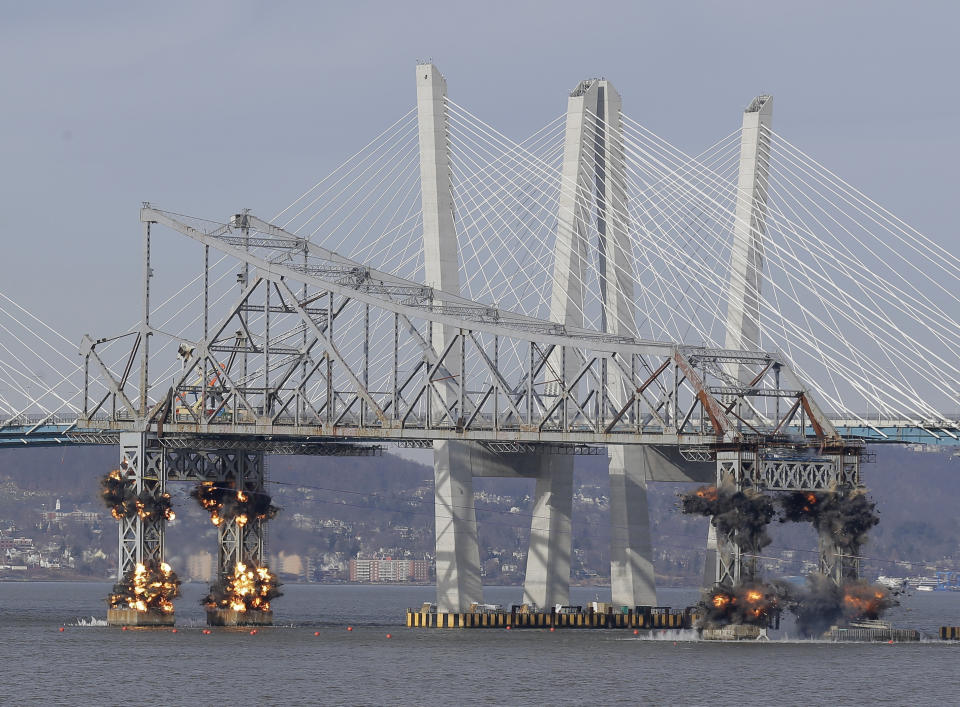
(386, 569)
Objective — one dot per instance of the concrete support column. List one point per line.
(631, 555)
(710, 561)
(547, 581)
(457, 549)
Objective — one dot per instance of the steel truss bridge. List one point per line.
(511, 305)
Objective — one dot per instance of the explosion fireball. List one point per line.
(117, 493)
(248, 589)
(754, 604)
(226, 503)
(147, 587)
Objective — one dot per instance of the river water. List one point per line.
(289, 664)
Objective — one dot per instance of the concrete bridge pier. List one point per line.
(547, 580)
(456, 464)
(457, 548)
(632, 581)
(632, 468)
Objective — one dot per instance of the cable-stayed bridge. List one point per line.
(740, 315)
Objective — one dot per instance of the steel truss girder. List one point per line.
(813, 474)
(269, 446)
(618, 390)
(558, 449)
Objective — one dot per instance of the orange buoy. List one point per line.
(62, 629)
(253, 632)
(349, 628)
(508, 627)
(636, 632)
(552, 629)
(389, 636)
(173, 630)
(316, 633)
(124, 628)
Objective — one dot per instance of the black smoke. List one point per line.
(744, 515)
(227, 503)
(117, 492)
(845, 519)
(822, 603)
(118, 495)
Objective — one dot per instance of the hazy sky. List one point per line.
(206, 108)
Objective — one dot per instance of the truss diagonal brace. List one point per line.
(87, 345)
(721, 423)
(332, 351)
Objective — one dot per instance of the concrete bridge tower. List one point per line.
(745, 284)
(457, 463)
(457, 550)
(594, 170)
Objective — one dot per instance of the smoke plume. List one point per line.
(844, 519)
(742, 514)
(822, 604)
(226, 503)
(753, 603)
(117, 493)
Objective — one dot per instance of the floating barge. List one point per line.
(522, 616)
(132, 617)
(872, 631)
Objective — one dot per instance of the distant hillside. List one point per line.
(334, 508)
